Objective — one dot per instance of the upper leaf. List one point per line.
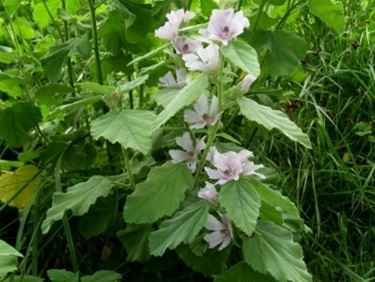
(272, 250)
(243, 56)
(182, 227)
(331, 14)
(78, 199)
(242, 203)
(270, 119)
(159, 195)
(132, 129)
(15, 123)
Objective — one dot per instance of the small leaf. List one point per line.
(103, 276)
(270, 119)
(241, 272)
(160, 195)
(15, 123)
(242, 203)
(132, 129)
(77, 198)
(181, 228)
(8, 259)
(183, 98)
(272, 250)
(17, 189)
(243, 56)
(331, 14)
(11, 86)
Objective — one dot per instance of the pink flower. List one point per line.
(222, 232)
(246, 82)
(169, 30)
(185, 45)
(224, 25)
(190, 153)
(169, 81)
(204, 59)
(230, 166)
(180, 17)
(204, 114)
(209, 193)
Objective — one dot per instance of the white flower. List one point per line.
(222, 232)
(204, 113)
(190, 153)
(170, 81)
(230, 166)
(180, 17)
(185, 45)
(169, 30)
(209, 193)
(246, 82)
(224, 25)
(204, 59)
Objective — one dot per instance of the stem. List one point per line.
(69, 62)
(96, 44)
(259, 13)
(128, 167)
(68, 232)
(239, 5)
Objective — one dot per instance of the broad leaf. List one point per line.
(285, 50)
(54, 60)
(103, 276)
(164, 96)
(183, 98)
(242, 203)
(331, 14)
(62, 275)
(15, 123)
(272, 250)
(52, 94)
(160, 195)
(135, 240)
(270, 119)
(132, 129)
(18, 188)
(241, 272)
(8, 258)
(11, 6)
(77, 198)
(243, 56)
(181, 228)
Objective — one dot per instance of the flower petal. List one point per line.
(185, 142)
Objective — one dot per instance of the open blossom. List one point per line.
(204, 59)
(190, 153)
(209, 193)
(170, 81)
(185, 45)
(230, 166)
(222, 232)
(204, 113)
(169, 30)
(224, 25)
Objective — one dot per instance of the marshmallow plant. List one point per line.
(211, 200)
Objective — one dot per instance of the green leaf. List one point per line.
(272, 250)
(242, 203)
(243, 56)
(16, 122)
(135, 240)
(11, 6)
(183, 98)
(131, 128)
(54, 60)
(24, 278)
(11, 86)
(96, 88)
(285, 50)
(52, 94)
(241, 272)
(130, 85)
(331, 14)
(40, 14)
(182, 227)
(103, 276)
(160, 195)
(8, 258)
(62, 275)
(77, 198)
(165, 95)
(270, 119)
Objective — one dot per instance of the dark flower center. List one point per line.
(226, 29)
(206, 117)
(228, 173)
(185, 48)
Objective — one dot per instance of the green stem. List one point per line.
(260, 10)
(69, 62)
(68, 232)
(128, 167)
(96, 42)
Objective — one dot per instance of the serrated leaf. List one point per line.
(77, 198)
(16, 121)
(132, 129)
(243, 56)
(272, 250)
(181, 228)
(241, 272)
(242, 203)
(331, 14)
(183, 98)
(102, 276)
(270, 119)
(8, 258)
(160, 195)
(18, 188)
